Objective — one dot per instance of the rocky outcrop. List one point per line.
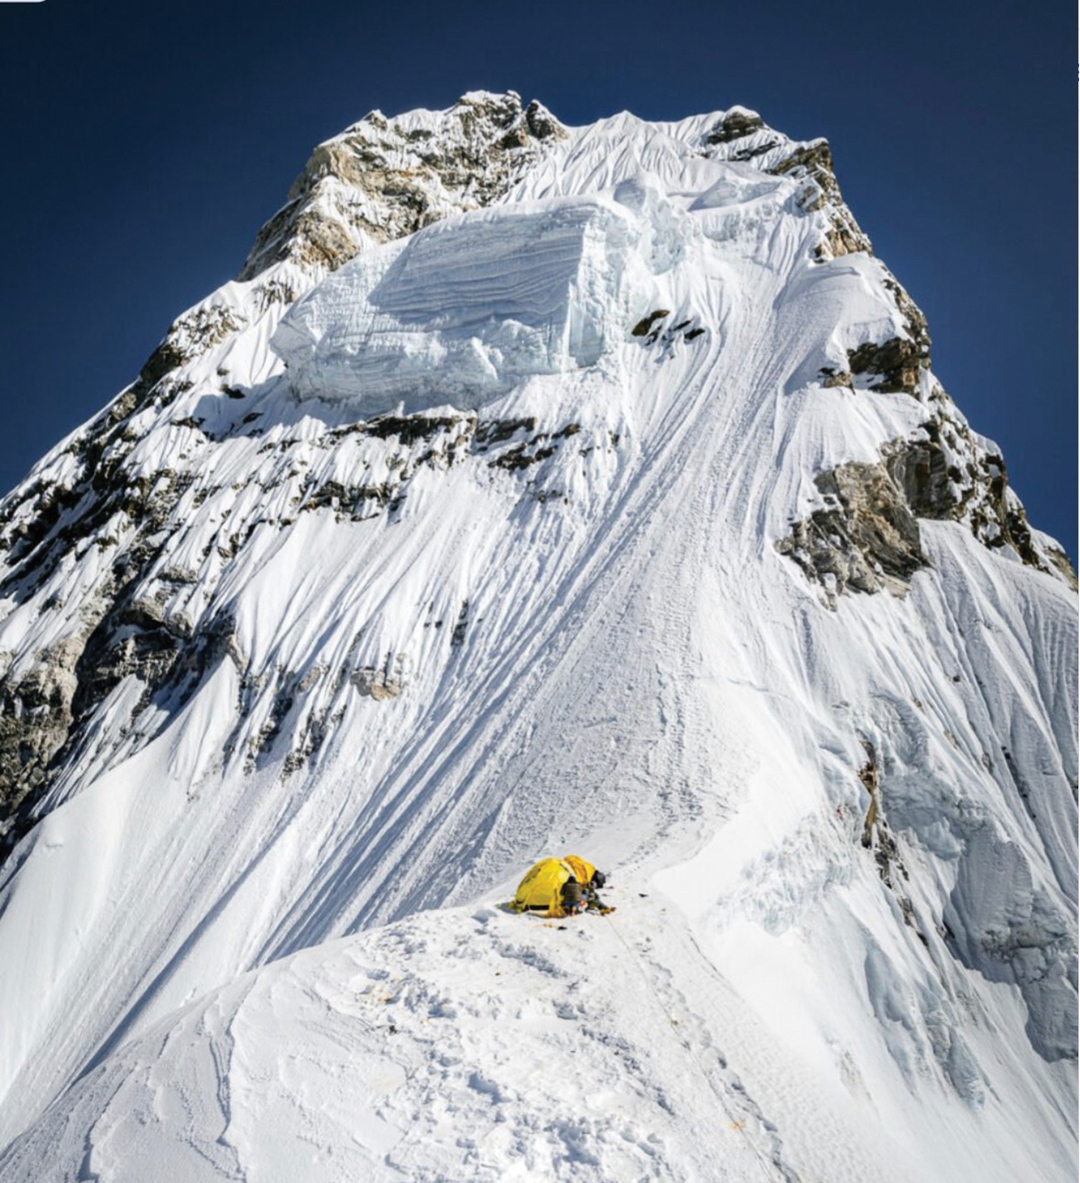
(814, 162)
(98, 509)
(741, 136)
(945, 474)
(386, 178)
(35, 718)
(736, 124)
(895, 365)
(47, 713)
(878, 838)
(866, 537)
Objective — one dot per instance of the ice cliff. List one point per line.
(469, 308)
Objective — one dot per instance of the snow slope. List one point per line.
(470, 1044)
(616, 510)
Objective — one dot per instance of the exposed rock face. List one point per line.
(383, 179)
(939, 489)
(946, 474)
(98, 507)
(814, 161)
(736, 125)
(895, 365)
(35, 716)
(866, 538)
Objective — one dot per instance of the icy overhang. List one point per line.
(467, 308)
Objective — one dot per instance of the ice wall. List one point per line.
(469, 307)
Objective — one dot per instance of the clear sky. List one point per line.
(143, 144)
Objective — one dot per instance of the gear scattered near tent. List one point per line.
(556, 888)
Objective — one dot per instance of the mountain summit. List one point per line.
(538, 489)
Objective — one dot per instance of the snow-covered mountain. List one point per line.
(538, 489)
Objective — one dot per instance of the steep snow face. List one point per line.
(617, 510)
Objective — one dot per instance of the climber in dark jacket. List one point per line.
(589, 880)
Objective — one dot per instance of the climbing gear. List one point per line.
(561, 887)
(593, 903)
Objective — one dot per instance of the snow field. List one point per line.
(459, 1044)
(471, 1043)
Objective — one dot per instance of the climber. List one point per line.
(591, 880)
(560, 887)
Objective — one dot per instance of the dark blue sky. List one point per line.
(144, 144)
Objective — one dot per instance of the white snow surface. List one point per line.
(257, 934)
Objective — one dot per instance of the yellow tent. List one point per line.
(541, 889)
(583, 871)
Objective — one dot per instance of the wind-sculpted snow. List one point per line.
(607, 502)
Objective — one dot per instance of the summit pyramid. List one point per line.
(538, 489)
